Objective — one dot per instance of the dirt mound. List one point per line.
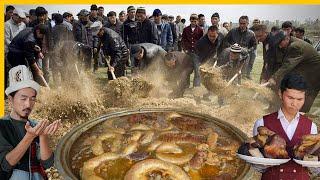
(212, 79)
(124, 92)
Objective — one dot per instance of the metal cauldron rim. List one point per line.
(64, 145)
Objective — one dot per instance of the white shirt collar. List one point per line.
(281, 116)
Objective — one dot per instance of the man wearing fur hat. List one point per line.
(24, 143)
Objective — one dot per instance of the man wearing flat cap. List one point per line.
(83, 34)
(146, 29)
(67, 20)
(294, 55)
(128, 29)
(24, 143)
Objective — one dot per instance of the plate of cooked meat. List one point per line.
(266, 148)
(307, 152)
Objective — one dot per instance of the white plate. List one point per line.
(308, 163)
(263, 161)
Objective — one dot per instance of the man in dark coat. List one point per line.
(243, 36)
(83, 34)
(46, 44)
(178, 67)
(60, 33)
(145, 53)
(146, 29)
(128, 30)
(114, 46)
(24, 50)
(268, 46)
(206, 48)
(299, 33)
(113, 23)
(174, 32)
(299, 57)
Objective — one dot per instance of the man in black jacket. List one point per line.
(208, 47)
(114, 46)
(23, 49)
(46, 43)
(128, 29)
(83, 34)
(60, 33)
(146, 29)
(243, 36)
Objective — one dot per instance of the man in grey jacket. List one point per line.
(145, 53)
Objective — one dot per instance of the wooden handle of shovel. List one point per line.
(113, 75)
(44, 81)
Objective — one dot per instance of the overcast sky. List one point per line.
(227, 12)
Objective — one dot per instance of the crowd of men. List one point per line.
(133, 40)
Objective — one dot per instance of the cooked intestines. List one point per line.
(143, 169)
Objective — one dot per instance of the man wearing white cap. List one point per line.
(24, 144)
(14, 26)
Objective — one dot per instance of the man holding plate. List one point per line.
(289, 124)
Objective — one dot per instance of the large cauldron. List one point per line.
(62, 154)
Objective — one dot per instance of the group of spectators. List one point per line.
(134, 40)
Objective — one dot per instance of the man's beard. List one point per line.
(27, 113)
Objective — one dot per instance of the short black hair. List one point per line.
(100, 7)
(293, 81)
(111, 13)
(40, 11)
(183, 21)
(286, 24)
(300, 30)
(275, 28)
(42, 28)
(244, 17)
(200, 16)
(32, 12)
(213, 28)
(9, 8)
(58, 18)
(259, 27)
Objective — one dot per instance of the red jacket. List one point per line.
(289, 170)
(189, 38)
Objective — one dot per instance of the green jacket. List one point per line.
(299, 57)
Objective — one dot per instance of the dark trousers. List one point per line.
(310, 97)
(249, 66)
(87, 58)
(119, 71)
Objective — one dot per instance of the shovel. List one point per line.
(236, 75)
(109, 66)
(261, 85)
